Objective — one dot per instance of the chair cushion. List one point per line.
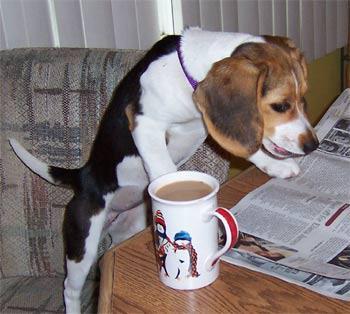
(211, 159)
(42, 295)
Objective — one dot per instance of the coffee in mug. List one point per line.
(184, 190)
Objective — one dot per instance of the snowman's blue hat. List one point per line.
(182, 235)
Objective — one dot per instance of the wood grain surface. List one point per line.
(135, 287)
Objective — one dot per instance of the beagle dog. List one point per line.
(246, 91)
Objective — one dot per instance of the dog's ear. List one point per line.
(229, 100)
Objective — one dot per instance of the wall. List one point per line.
(324, 87)
(324, 84)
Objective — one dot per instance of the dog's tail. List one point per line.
(54, 175)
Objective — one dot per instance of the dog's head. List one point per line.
(255, 99)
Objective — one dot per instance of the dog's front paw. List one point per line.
(156, 172)
(281, 168)
(285, 168)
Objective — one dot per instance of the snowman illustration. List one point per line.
(181, 261)
(163, 243)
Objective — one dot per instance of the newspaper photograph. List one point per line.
(299, 229)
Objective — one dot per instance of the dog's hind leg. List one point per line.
(129, 223)
(83, 224)
(127, 212)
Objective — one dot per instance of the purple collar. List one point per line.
(190, 79)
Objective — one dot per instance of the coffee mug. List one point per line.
(186, 232)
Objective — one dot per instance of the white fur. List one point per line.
(287, 135)
(128, 223)
(181, 150)
(203, 48)
(149, 137)
(131, 172)
(77, 272)
(275, 168)
(37, 166)
(296, 84)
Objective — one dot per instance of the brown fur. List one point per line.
(216, 95)
(236, 95)
(130, 114)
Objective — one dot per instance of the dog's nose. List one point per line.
(310, 146)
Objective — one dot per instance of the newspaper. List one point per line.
(299, 229)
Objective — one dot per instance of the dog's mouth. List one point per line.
(277, 152)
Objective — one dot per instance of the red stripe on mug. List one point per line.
(231, 223)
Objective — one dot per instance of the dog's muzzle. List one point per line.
(310, 146)
(309, 142)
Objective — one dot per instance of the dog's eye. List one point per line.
(282, 107)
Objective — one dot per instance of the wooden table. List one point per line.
(130, 284)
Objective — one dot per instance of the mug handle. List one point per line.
(232, 233)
